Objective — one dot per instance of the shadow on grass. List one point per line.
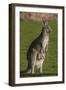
(24, 74)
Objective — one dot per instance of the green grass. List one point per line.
(29, 30)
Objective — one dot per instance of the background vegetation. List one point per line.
(29, 30)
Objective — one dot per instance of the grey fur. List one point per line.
(37, 50)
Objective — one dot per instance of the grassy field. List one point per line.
(29, 30)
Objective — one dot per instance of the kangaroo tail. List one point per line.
(29, 67)
(29, 71)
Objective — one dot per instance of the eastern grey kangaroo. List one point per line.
(37, 50)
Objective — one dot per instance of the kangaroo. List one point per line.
(38, 48)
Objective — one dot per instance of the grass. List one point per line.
(29, 30)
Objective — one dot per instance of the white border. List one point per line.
(19, 80)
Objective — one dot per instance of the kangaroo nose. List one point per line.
(50, 30)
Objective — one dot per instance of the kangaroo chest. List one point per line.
(45, 41)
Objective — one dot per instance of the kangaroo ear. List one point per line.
(43, 21)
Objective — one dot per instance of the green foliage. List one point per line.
(29, 30)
